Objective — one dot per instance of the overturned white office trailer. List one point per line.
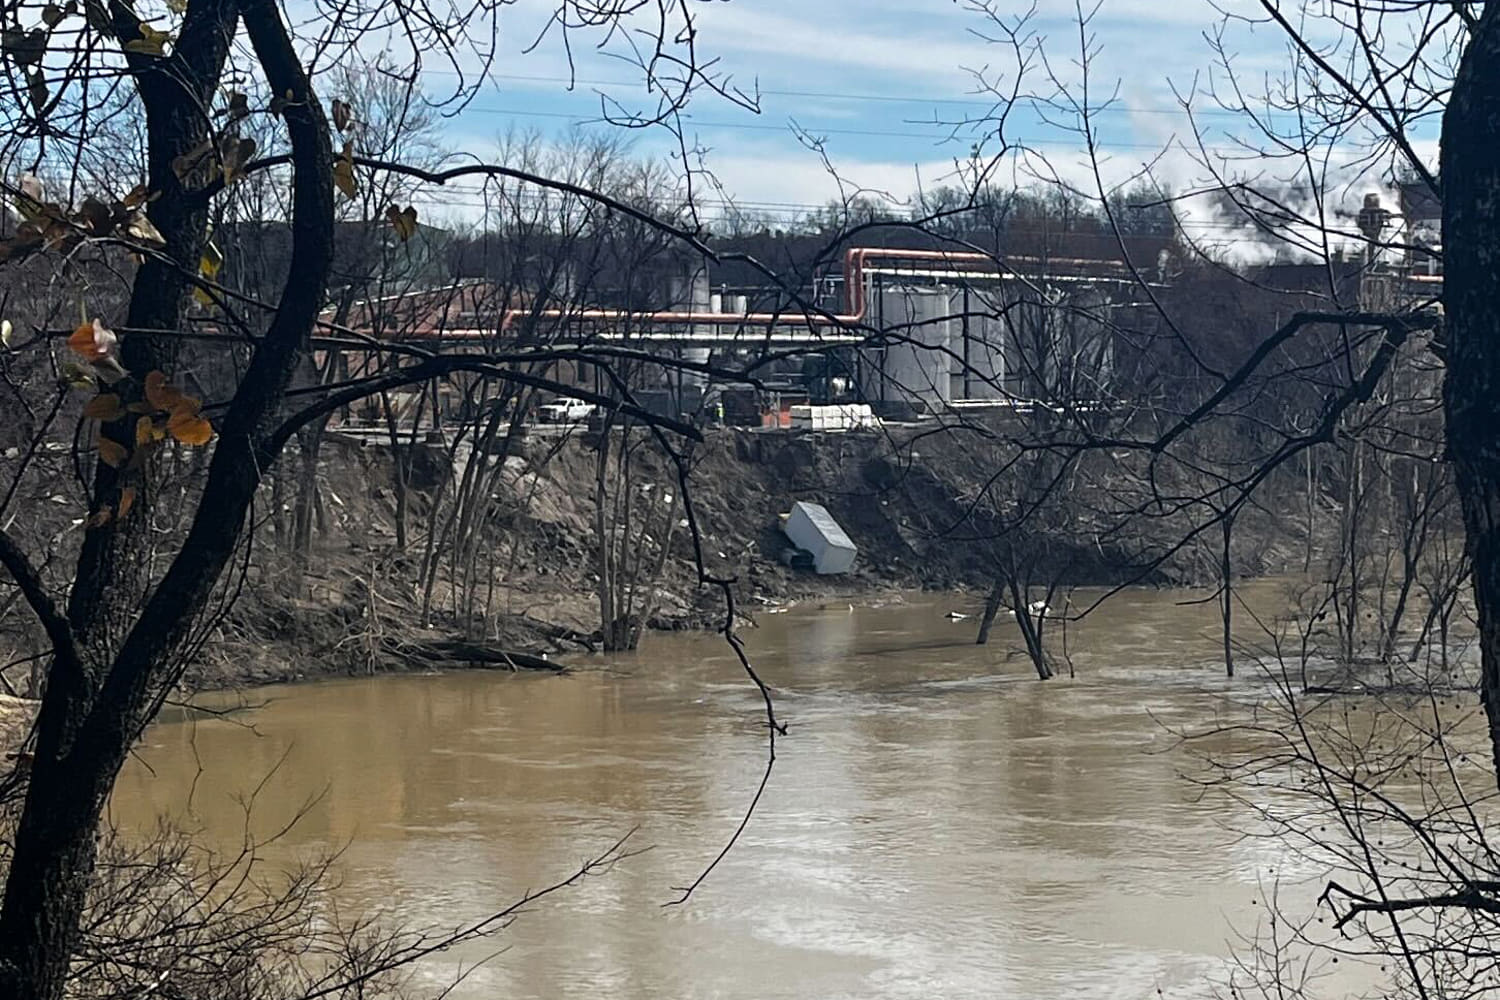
(811, 528)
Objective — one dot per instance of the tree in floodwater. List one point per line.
(1042, 509)
(1387, 790)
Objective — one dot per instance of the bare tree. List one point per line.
(139, 605)
(1389, 793)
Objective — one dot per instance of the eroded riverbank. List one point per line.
(526, 577)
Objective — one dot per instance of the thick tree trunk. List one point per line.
(96, 703)
(1031, 630)
(114, 560)
(1470, 177)
(74, 766)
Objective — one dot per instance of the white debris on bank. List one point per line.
(844, 417)
(812, 529)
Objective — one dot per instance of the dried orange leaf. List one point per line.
(190, 428)
(127, 500)
(159, 394)
(112, 452)
(404, 220)
(138, 196)
(92, 340)
(186, 406)
(82, 340)
(145, 430)
(99, 518)
(104, 407)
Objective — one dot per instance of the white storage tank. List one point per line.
(696, 356)
(917, 365)
(812, 529)
(979, 342)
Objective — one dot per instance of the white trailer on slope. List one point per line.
(812, 529)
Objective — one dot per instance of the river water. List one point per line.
(939, 823)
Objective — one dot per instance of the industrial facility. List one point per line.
(904, 331)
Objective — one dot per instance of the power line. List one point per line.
(955, 136)
(977, 102)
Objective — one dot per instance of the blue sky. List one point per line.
(878, 80)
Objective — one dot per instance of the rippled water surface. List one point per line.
(939, 824)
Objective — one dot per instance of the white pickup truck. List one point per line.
(565, 410)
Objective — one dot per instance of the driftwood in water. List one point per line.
(559, 634)
(1356, 688)
(469, 651)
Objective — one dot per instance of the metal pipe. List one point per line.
(856, 302)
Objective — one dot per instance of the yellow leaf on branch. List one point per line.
(151, 42)
(209, 265)
(147, 431)
(343, 177)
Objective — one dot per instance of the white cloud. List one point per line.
(825, 41)
(773, 177)
(895, 49)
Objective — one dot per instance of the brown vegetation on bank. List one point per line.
(902, 497)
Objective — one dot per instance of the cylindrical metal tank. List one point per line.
(979, 342)
(697, 356)
(690, 293)
(916, 367)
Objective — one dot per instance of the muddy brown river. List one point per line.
(939, 824)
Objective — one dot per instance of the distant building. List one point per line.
(1422, 222)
